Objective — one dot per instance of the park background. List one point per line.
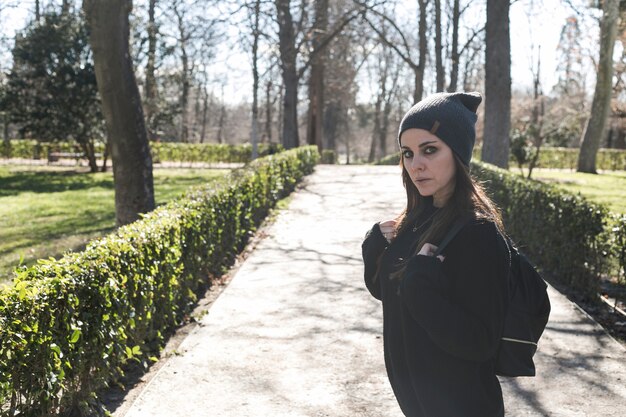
(192, 104)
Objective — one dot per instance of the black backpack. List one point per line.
(526, 316)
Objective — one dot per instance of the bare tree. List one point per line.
(441, 74)
(290, 49)
(315, 123)
(255, 77)
(600, 108)
(288, 56)
(150, 93)
(404, 50)
(497, 85)
(121, 105)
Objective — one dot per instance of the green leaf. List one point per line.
(75, 336)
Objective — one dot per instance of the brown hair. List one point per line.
(468, 200)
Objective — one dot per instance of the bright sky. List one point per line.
(543, 29)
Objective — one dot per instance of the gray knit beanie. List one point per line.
(449, 116)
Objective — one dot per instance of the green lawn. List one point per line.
(608, 187)
(45, 212)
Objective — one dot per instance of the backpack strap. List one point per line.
(456, 227)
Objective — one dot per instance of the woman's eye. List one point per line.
(429, 150)
(407, 154)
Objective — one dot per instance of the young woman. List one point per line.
(443, 316)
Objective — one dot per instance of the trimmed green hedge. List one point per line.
(559, 158)
(570, 237)
(161, 151)
(68, 327)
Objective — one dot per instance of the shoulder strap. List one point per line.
(456, 227)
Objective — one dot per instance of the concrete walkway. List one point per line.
(296, 333)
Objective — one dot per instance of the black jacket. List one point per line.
(442, 320)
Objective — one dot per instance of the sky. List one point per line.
(542, 28)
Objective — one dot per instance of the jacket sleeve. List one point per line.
(372, 249)
(468, 321)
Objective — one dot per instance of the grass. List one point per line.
(45, 212)
(608, 187)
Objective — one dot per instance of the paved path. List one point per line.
(296, 334)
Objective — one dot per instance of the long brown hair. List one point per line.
(468, 200)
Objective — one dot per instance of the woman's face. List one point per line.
(430, 164)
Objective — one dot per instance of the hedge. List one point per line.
(558, 158)
(161, 151)
(575, 240)
(69, 326)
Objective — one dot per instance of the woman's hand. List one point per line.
(388, 229)
(429, 250)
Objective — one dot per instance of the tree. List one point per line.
(315, 124)
(121, 105)
(404, 50)
(150, 89)
(51, 93)
(497, 85)
(600, 107)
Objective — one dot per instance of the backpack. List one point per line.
(525, 318)
(526, 315)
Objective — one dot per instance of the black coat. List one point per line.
(442, 320)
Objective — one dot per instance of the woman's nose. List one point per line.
(417, 164)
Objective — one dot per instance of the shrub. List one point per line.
(393, 159)
(69, 326)
(328, 156)
(567, 235)
(161, 151)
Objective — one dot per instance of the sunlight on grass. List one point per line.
(44, 213)
(608, 187)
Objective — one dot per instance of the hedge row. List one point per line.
(572, 238)
(161, 151)
(559, 158)
(68, 327)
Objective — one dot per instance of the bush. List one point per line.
(328, 156)
(567, 158)
(161, 151)
(393, 159)
(567, 235)
(69, 326)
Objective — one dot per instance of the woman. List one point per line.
(443, 316)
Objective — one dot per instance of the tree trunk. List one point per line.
(268, 111)
(288, 54)
(601, 106)
(222, 120)
(441, 76)
(37, 11)
(423, 45)
(151, 89)
(121, 106)
(497, 85)
(255, 80)
(315, 122)
(105, 157)
(88, 150)
(376, 131)
(205, 112)
(65, 7)
(454, 54)
(185, 82)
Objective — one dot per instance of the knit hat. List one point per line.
(449, 116)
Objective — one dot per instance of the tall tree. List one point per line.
(401, 46)
(150, 93)
(601, 105)
(256, 34)
(315, 124)
(441, 74)
(454, 49)
(121, 104)
(288, 56)
(51, 93)
(497, 85)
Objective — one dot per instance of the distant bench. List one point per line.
(55, 156)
